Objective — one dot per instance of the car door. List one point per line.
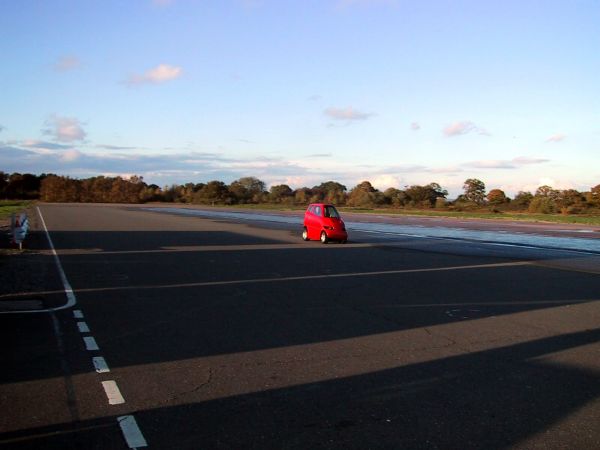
(316, 225)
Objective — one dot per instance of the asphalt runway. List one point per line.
(198, 333)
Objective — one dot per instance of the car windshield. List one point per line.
(330, 211)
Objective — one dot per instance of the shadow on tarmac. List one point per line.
(491, 399)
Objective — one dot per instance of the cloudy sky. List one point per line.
(299, 92)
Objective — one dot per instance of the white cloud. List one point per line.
(320, 155)
(445, 170)
(70, 156)
(514, 163)
(464, 127)
(545, 181)
(66, 63)
(386, 180)
(556, 138)
(156, 75)
(346, 114)
(524, 160)
(491, 164)
(65, 129)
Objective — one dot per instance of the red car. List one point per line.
(322, 221)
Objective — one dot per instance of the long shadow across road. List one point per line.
(224, 336)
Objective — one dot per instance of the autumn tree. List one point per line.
(59, 189)
(497, 197)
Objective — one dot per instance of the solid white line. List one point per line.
(112, 392)
(131, 431)
(71, 299)
(77, 314)
(83, 327)
(100, 364)
(90, 343)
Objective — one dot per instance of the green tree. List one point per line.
(522, 199)
(425, 196)
(330, 192)
(546, 191)
(395, 197)
(302, 195)
(570, 201)
(593, 197)
(248, 190)
(212, 193)
(3, 184)
(280, 193)
(474, 191)
(364, 195)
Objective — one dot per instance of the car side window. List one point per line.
(318, 210)
(311, 209)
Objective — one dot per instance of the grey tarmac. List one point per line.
(237, 334)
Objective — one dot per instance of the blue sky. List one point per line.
(301, 92)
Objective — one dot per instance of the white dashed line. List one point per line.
(100, 364)
(83, 327)
(131, 431)
(90, 343)
(113, 393)
(78, 314)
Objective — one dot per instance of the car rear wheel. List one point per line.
(324, 238)
(305, 234)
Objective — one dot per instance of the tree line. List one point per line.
(251, 190)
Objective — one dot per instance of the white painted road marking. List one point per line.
(83, 327)
(100, 364)
(131, 431)
(90, 343)
(71, 300)
(77, 314)
(113, 393)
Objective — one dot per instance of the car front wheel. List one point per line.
(324, 239)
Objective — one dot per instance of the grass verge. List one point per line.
(8, 207)
(524, 217)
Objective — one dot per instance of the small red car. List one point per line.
(322, 221)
